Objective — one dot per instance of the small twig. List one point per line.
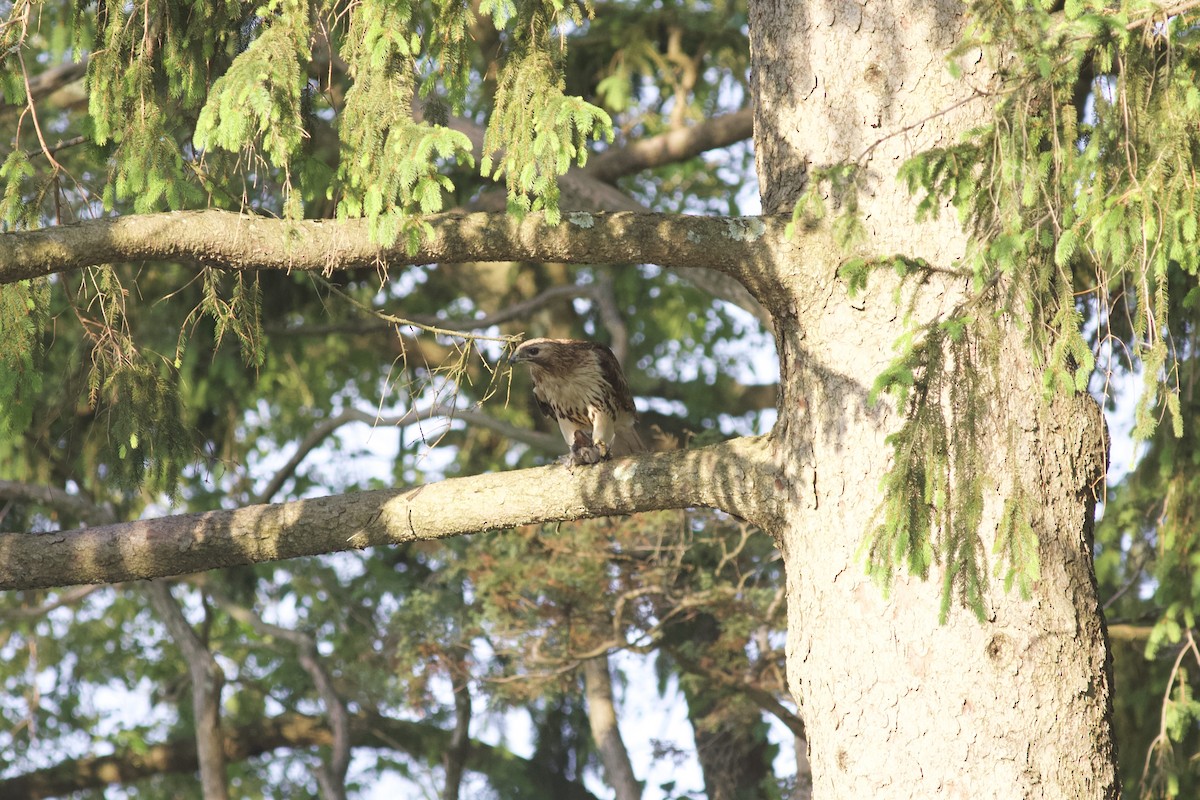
(37, 126)
(410, 323)
(62, 145)
(976, 94)
(1163, 738)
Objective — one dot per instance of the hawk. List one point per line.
(580, 385)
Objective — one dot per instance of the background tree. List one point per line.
(165, 361)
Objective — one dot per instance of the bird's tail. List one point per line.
(627, 443)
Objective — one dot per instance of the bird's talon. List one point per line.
(583, 456)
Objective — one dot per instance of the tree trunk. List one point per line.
(207, 678)
(602, 718)
(896, 704)
(455, 758)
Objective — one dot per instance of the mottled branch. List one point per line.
(737, 476)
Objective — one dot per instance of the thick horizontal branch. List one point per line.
(743, 247)
(735, 476)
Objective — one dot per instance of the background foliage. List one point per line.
(128, 391)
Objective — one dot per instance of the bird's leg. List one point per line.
(603, 432)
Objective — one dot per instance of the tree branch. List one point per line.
(673, 146)
(515, 311)
(59, 500)
(588, 188)
(331, 777)
(419, 740)
(67, 598)
(322, 430)
(459, 750)
(737, 476)
(743, 247)
(61, 85)
(764, 699)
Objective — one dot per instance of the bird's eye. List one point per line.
(533, 351)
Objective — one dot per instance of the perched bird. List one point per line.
(580, 385)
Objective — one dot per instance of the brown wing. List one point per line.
(546, 409)
(610, 370)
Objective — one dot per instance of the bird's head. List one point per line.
(534, 351)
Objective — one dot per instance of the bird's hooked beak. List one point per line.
(516, 357)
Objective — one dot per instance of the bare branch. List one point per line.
(514, 311)
(546, 442)
(61, 85)
(542, 441)
(742, 247)
(59, 500)
(737, 476)
(673, 146)
(324, 429)
(614, 321)
(455, 759)
(1163, 14)
(69, 597)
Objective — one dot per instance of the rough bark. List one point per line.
(895, 704)
(602, 718)
(734, 475)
